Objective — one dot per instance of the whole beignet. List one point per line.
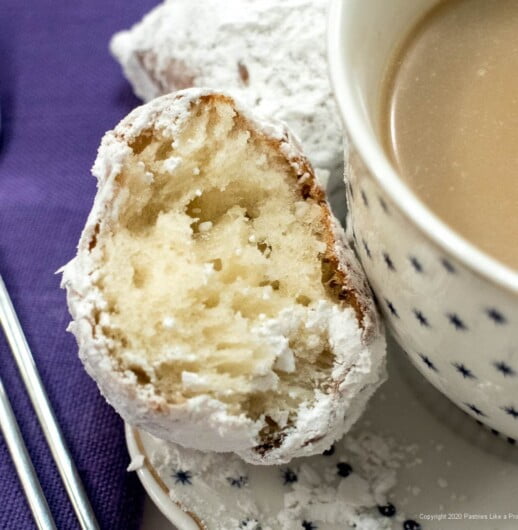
(213, 296)
(269, 54)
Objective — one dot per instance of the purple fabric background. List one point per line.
(59, 91)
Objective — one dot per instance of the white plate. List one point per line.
(458, 469)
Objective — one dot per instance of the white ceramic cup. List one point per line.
(453, 308)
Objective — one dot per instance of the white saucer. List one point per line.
(457, 470)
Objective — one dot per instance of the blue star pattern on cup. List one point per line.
(456, 322)
(512, 411)
(496, 316)
(392, 308)
(441, 312)
(474, 409)
(367, 249)
(383, 205)
(448, 266)
(464, 371)
(389, 262)
(421, 318)
(416, 264)
(364, 198)
(426, 360)
(504, 369)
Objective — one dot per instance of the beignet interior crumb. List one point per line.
(214, 239)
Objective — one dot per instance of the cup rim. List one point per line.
(382, 171)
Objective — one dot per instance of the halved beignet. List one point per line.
(214, 299)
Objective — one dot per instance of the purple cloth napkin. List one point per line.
(59, 92)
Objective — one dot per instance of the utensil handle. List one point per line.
(49, 425)
(23, 465)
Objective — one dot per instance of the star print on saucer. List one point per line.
(251, 524)
(330, 451)
(388, 510)
(183, 477)
(410, 524)
(344, 469)
(238, 482)
(316, 493)
(289, 476)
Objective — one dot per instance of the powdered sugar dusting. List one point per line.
(267, 53)
(343, 487)
(137, 462)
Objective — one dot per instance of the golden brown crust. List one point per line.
(333, 277)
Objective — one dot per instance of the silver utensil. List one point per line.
(23, 465)
(40, 402)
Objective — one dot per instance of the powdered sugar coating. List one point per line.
(309, 490)
(203, 422)
(269, 54)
